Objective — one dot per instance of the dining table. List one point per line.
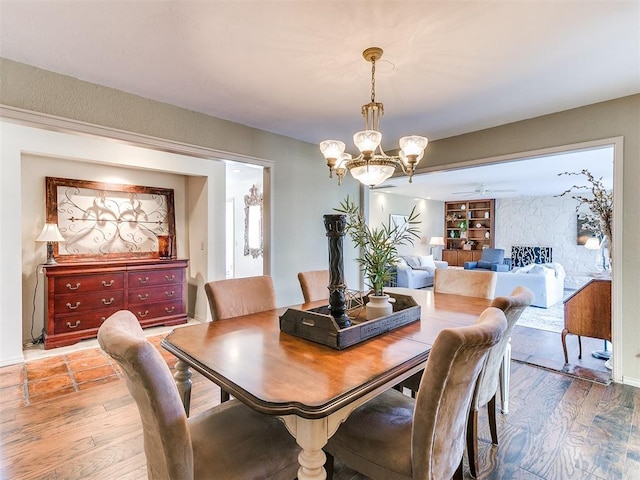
(312, 387)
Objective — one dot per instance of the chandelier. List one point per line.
(371, 168)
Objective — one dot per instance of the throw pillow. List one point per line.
(483, 264)
(427, 261)
(401, 263)
(413, 261)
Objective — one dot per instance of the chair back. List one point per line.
(240, 296)
(469, 283)
(489, 378)
(167, 441)
(446, 390)
(314, 285)
(492, 255)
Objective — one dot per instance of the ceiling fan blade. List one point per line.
(461, 193)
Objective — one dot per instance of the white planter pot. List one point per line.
(378, 306)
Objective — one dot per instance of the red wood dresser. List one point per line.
(81, 295)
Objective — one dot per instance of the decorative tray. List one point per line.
(319, 326)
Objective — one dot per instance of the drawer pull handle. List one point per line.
(169, 310)
(143, 280)
(105, 284)
(73, 326)
(71, 287)
(71, 307)
(142, 315)
(143, 297)
(170, 294)
(170, 278)
(108, 302)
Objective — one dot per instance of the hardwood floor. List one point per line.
(559, 427)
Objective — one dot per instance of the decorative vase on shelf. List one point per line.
(378, 306)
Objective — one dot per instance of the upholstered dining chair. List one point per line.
(235, 297)
(480, 284)
(228, 441)
(489, 379)
(314, 285)
(396, 437)
(456, 282)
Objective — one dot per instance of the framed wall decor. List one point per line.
(110, 221)
(253, 244)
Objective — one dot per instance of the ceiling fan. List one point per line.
(483, 190)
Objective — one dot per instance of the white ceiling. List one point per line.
(295, 67)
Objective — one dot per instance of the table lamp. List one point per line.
(436, 242)
(51, 235)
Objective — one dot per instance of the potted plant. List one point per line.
(378, 249)
(599, 218)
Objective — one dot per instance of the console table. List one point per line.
(587, 312)
(81, 295)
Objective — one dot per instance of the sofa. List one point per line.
(415, 271)
(546, 281)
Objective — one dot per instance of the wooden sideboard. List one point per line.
(81, 295)
(456, 258)
(587, 312)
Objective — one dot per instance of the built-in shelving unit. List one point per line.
(469, 227)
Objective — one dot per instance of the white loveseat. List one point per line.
(414, 271)
(546, 281)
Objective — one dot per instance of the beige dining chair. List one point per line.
(489, 379)
(396, 437)
(470, 283)
(228, 441)
(456, 282)
(235, 297)
(314, 285)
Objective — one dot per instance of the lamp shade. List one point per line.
(50, 233)
(367, 140)
(413, 144)
(372, 175)
(332, 148)
(436, 241)
(592, 243)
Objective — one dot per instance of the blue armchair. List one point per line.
(492, 259)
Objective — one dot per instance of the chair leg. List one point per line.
(458, 474)
(224, 396)
(328, 465)
(579, 347)
(492, 420)
(564, 345)
(472, 442)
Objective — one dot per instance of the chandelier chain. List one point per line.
(373, 80)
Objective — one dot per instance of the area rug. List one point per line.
(550, 319)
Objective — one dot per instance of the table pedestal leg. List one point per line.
(183, 382)
(311, 435)
(505, 378)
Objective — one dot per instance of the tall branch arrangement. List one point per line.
(378, 246)
(599, 218)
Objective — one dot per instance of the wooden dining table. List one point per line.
(313, 388)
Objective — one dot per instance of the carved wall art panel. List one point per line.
(109, 221)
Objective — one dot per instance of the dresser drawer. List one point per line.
(155, 294)
(147, 278)
(77, 302)
(79, 322)
(155, 310)
(89, 283)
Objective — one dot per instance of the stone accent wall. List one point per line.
(544, 221)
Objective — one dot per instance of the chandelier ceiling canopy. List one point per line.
(372, 166)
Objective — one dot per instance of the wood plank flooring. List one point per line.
(559, 427)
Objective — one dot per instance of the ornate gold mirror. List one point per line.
(253, 223)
